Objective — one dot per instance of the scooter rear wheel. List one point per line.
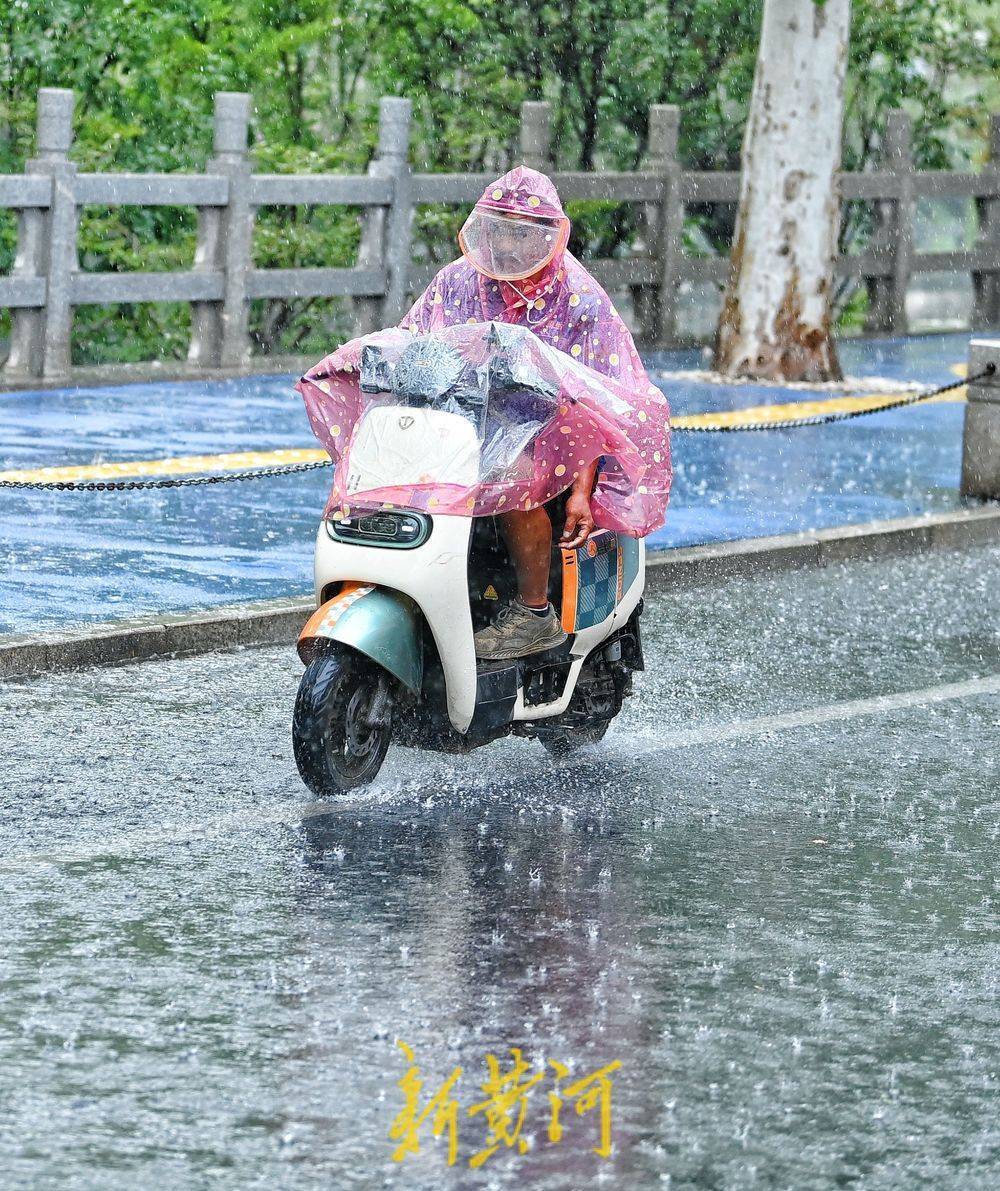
(342, 723)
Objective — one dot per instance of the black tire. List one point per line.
(337, 746)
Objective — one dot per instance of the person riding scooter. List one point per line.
(515, 268)
(434, 437)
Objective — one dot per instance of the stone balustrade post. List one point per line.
(41, 337)
(981, 431)
(666, 218)
(986, 283)
(893, 237)
(536, 135)
(386, 233)
(219, 329)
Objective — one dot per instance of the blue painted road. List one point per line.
(74, 558)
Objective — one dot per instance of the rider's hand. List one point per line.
(579, 521)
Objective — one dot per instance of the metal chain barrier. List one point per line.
(840, 415)
(259, 473)
(288, 469)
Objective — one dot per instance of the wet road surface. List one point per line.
(771, 894)
(73, 558)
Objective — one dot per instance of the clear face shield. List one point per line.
(510, 247)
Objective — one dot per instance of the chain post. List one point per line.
(981, 428)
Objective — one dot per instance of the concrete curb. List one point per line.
(819, 548)
(267, 622)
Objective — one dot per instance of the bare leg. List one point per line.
(529, 624)
(528, 536)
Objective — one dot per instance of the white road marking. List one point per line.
(293, 811)
(807, 716)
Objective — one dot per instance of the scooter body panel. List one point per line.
(434, 576)
(628, 581)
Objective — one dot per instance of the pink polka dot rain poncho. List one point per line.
(542, 369)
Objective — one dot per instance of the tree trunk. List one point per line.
(775, 321)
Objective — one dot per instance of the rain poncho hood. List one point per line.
(517, 230)
(607, 406)
(522, 191)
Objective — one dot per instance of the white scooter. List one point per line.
(389, 651)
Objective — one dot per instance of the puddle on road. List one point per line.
(778, 941)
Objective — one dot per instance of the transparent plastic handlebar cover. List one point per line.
(481, 418)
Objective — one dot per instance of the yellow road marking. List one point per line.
(179, 465)
(241, 460)
(799, 409)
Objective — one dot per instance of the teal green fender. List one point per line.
(382, 624)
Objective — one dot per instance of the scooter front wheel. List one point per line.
(342, 722)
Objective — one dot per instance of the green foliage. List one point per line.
(144, 72)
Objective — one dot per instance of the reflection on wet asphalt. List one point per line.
(787, 934)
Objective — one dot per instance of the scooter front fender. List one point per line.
(382, 624)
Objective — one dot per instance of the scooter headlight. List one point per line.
(403, 531)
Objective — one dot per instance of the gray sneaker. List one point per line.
(517, 632)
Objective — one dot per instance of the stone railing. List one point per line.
(46, 283)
